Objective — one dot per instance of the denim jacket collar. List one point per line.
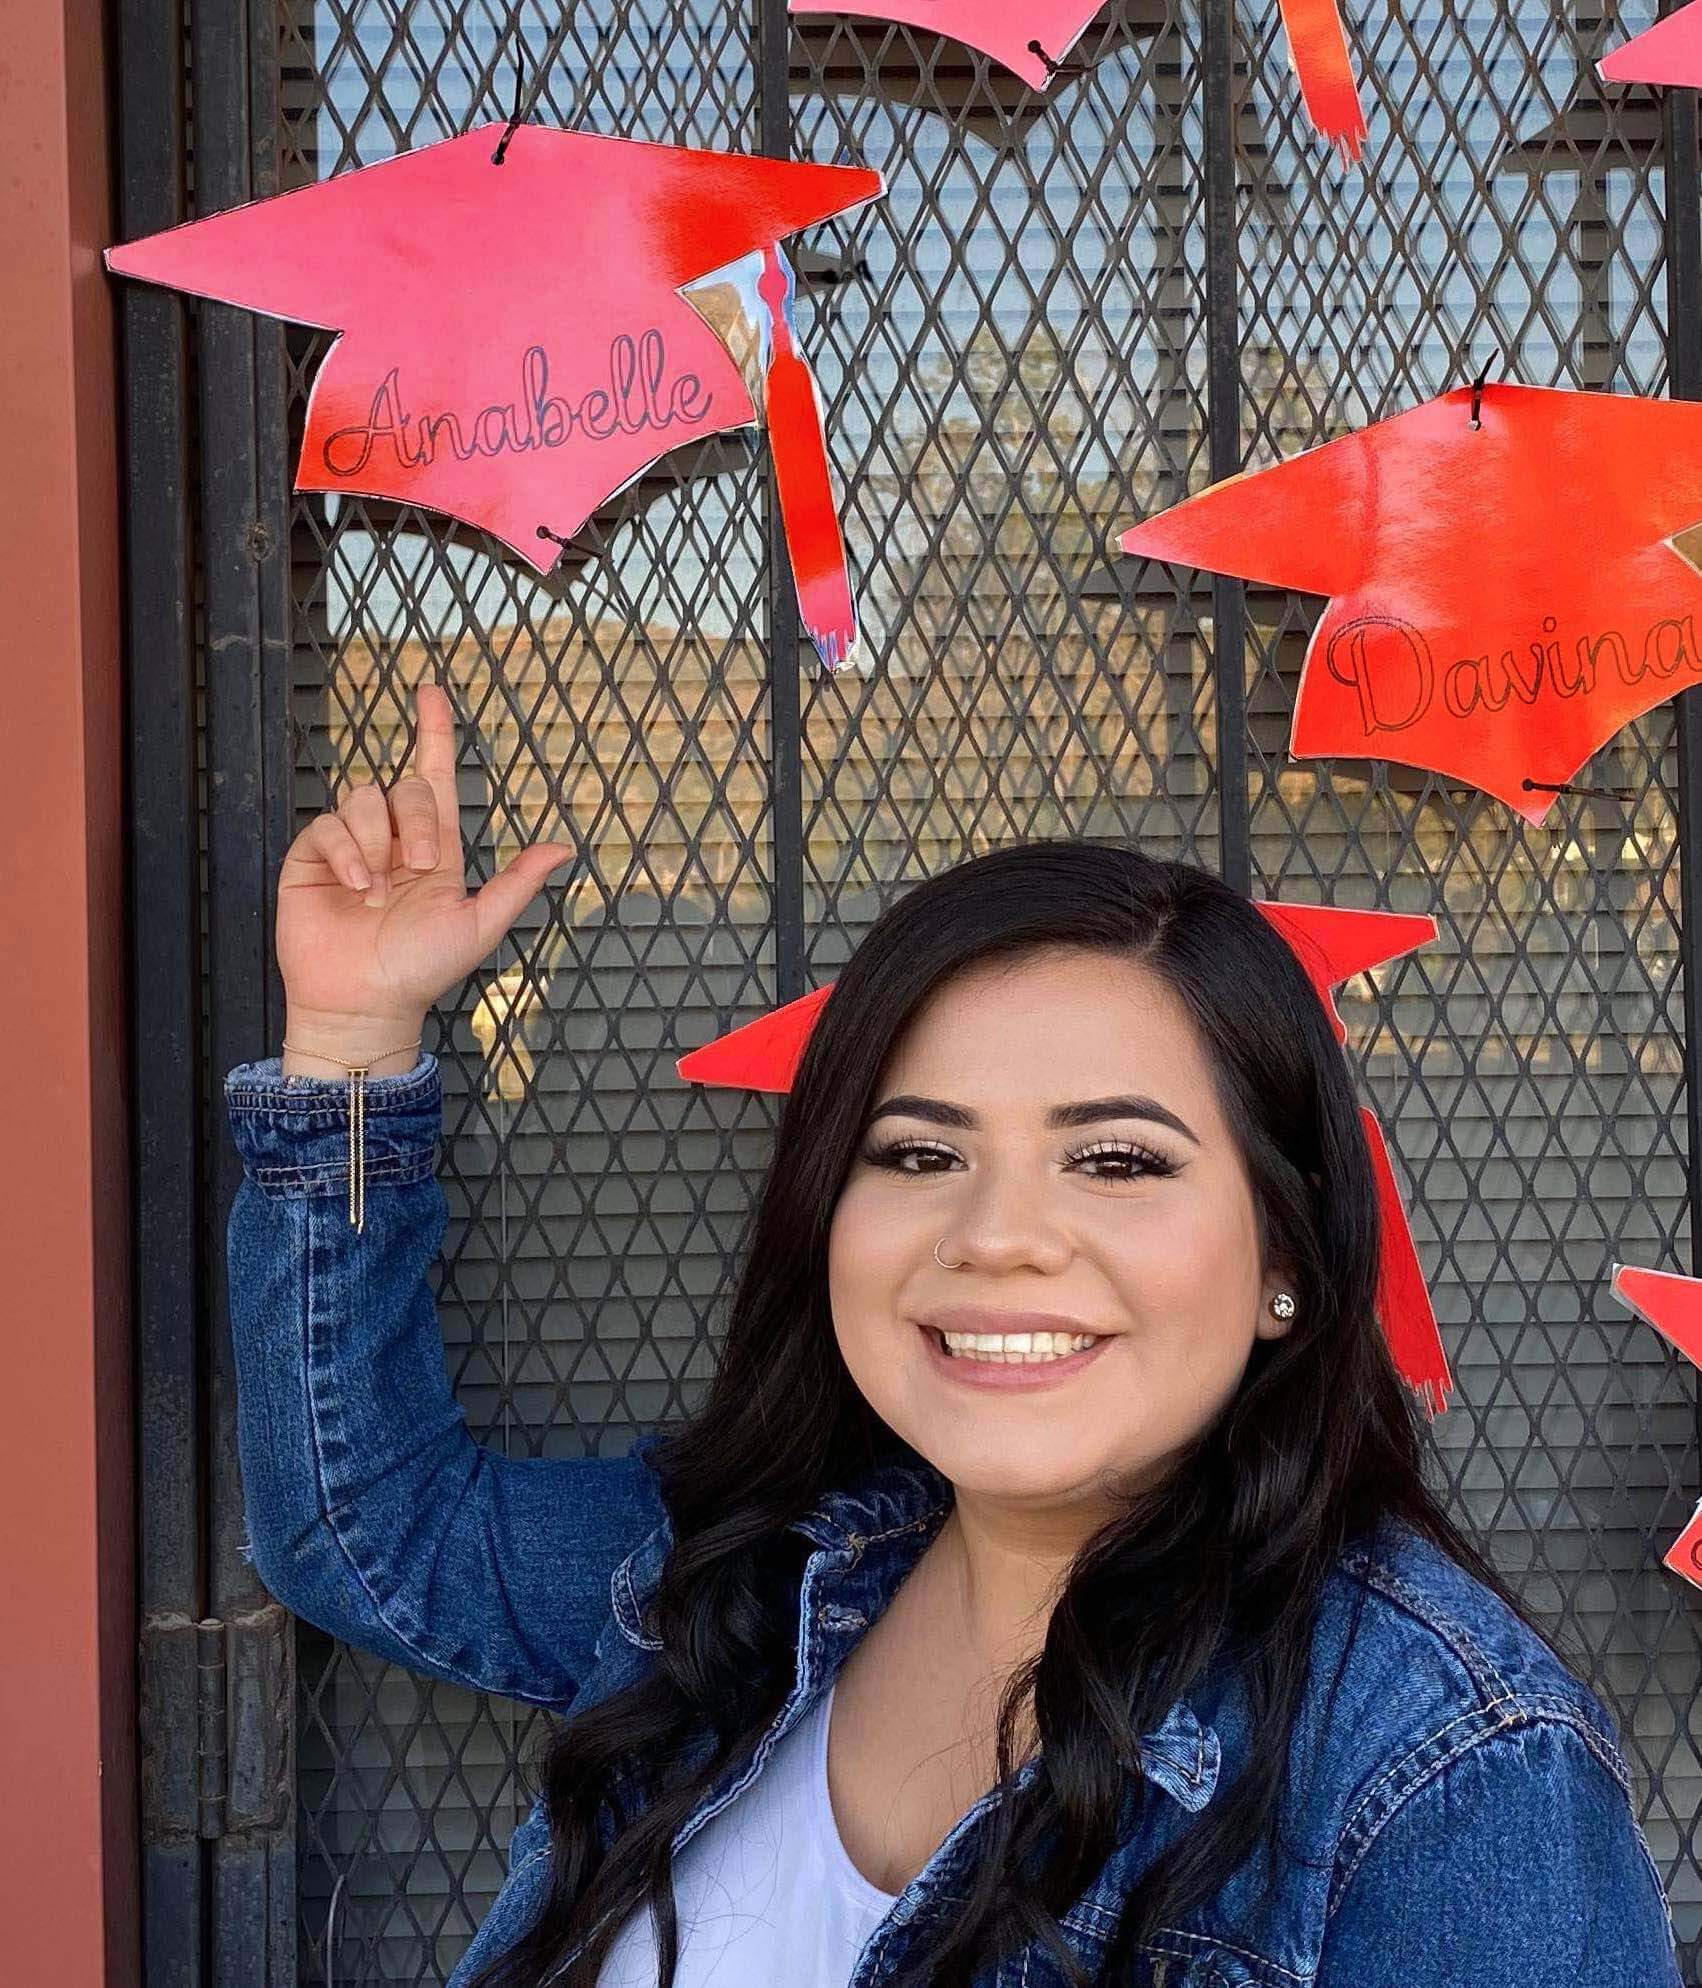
(871, 1534)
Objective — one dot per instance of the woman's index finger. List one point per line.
(434, 755)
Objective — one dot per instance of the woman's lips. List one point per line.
(1009, 1373)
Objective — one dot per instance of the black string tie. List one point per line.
(513, 124)
(1054, 69)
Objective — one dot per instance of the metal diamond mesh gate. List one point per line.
(1067, 311)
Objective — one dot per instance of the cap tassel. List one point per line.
(798, 444)
(1318, 54)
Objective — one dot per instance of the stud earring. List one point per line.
(1282, 1306)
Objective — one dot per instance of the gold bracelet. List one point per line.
(357, 1122)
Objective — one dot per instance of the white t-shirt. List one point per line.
(750, 1916)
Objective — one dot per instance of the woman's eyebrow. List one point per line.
(1091, 1111)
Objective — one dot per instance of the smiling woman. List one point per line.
(1145, 1237)
(936, 1650)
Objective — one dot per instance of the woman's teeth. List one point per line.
(1016, 1348)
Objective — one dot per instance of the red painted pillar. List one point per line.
(68, 1885)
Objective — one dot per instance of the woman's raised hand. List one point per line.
(374, 921)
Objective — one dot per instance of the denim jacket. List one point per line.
(1459, 1813)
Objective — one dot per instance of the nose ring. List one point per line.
(940, 1260)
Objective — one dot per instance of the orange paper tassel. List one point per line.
(799, 451)
(1317, 50)
(1403, 1301)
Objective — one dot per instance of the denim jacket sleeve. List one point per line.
(1516, 1858)
(372, 1510)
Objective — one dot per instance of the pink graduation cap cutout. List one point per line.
(1670, 52)
(1032, 37)
(1673, 1306)
(516, 342)
(1331, 945)
(1507, 589)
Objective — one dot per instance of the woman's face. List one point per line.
(1134, 1222)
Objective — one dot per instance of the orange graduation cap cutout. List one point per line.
(762, 1055)
(1506, 593)
(1031, 38)
(1673, 1306)
(1669, 52)
(1331, 945)
(515, 346)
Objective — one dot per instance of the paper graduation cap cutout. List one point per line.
(515, 347)
(762, 1055)
(1673, 1306)
(1031, 38)
(1669, 52)
(1505, 597)
(1331, 945)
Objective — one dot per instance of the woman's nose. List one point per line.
(1006, 1217)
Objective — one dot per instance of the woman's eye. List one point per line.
(1123, 1162)
(1137, 1159)
(893, 1156)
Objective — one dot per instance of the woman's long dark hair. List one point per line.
(1319, 1442)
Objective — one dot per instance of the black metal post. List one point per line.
(1223, 422)
(785, 634)
(1684, 382)
(242, 414)
(165, 961)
